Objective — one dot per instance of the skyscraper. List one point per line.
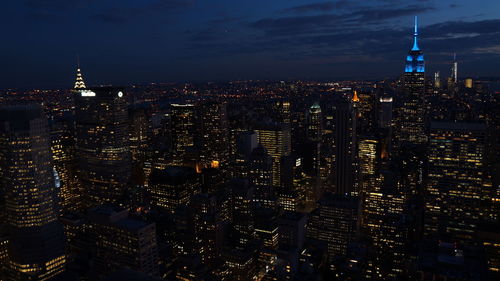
(214, 134)
(277, 141)
(36, 245)
(102, 144)
(79, 83)
(334, 222)
(411, 114)
(172, 187)
(261, 177)
(344, 149)
(183, 122)
(456, 181)
(119, 241)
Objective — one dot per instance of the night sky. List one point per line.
(129, 41)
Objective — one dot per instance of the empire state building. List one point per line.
(412, 110)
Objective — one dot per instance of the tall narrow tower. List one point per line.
(454, 69)
(412, 110)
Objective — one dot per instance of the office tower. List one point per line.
(173, 186)
(490, 239)
(454, 69)
(284, 114)
(241, 264)
(385, 113)
(139, 134)
(65, 163)
(244, 145)
(291, 228)
(369, 154)
(261, 177)
(468, 83)
(183, 126)
(102, 145)
(384, 224)
(277, 141)
(344, 148)
(266, 231)
(314, 126)
(36, 240)
(365, 103)
(334, 222)
(118, 241)
(214, 134)
(209, 227)
(456, 181)
(437, 80)
(411, 114)
(243, 221)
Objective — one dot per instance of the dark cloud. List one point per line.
(55, 4)
(331, 22)
(125, 13)
(318, 7)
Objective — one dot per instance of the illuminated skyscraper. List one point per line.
(118, 241)
(102, 144)
(214, 134)
(384, 224)
(411, 114)
(261, 177)
(277, 141)
(334, 222)
(243, 218)
(437, 80)
(173, 187)
(79, 83)
(344, 149)
(36, 246)
(183, 122)
(65, 164)
(454, 69)
(314, 128)
(456, 182)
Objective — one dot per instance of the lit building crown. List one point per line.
(79, 83)
(415, 58)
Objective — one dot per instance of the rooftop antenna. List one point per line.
(415, 35)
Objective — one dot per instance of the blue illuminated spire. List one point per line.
(415, 35)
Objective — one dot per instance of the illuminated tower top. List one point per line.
(415, 36)
(79, 83)
(415, 58)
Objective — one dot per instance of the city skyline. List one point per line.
(133, 165)
(173, 41)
